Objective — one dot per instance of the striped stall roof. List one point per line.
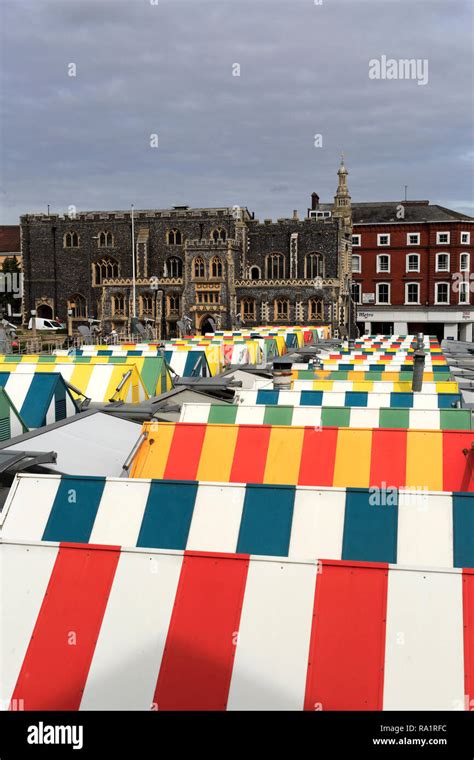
(39, 398)
(390, 399)
(418, 528)
(375, 386)
(348, 457)
(204, 631)
(153, 371)
(328, 416)
(11, 423)
(97, 381)
(189, 363)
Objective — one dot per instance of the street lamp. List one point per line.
(33, 323)
(134, 288)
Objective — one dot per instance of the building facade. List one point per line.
(219, 266)
(413, 269)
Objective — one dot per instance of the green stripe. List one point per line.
(278, 415)
(221, 413)
(334, 416)
(455, 419)
(394, 418)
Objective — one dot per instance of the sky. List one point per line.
(156, 116)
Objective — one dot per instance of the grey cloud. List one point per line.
(167, 69)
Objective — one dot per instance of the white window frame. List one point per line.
(358, 240)
(443, 242)
(448, 268)
(437, 301)
(383, 271)
(407, 265)
(465, 283)
(468, 268)
(412, 303)
(383, 234)
(468, 238)
(377, 300)
(359, 286)
(412, 234)
(356, 256)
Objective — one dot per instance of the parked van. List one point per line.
(45, 324)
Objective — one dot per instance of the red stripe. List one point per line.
(250, 455)
(468, 617)
(318, 457)
(57, 662)
(199, 654)
(185, 451)
(389, 458)
(458, 468)
(346, 657)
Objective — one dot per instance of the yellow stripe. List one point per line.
(217, 453)
(363, 386)
(425, 460)
(322, 385)
(152, 456)
(81, 376)
(115, 378)
(353, 456)
(284, 455)
(448, 387)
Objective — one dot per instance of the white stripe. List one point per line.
(216, 518)
(288, 398)
(250, 415)
(25, 577)
(424, 664)
(425, 529)
(70, 406)
(195, 412)
(333, 398)
(51, 413)
(129, 650)
(246, 397)
(425, 401)
(318, 524)
(306, 415)
(363, 417)
(271, 658)
(17, 387)
(100, 379)
(28, 507)
(424, 420)
(120, 513)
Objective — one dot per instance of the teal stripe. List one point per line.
(168, 513)
(370, 525)
(74, 510)
(463, 529)
(266, 520)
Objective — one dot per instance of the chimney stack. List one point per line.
(295, 214)
(314, 201)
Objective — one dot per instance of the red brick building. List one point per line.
(413, 269)
(9, 242)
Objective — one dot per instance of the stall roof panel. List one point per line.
(347, 457)
(328, 416)
(91, 442)
(207, 631)
(385, 398)
(11, 423)
(39, 398)
(100, 382)
(417, 527)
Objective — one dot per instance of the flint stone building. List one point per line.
(211, 264)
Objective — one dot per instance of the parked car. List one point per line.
(45, 324)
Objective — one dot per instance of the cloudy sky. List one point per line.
(165, 68)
